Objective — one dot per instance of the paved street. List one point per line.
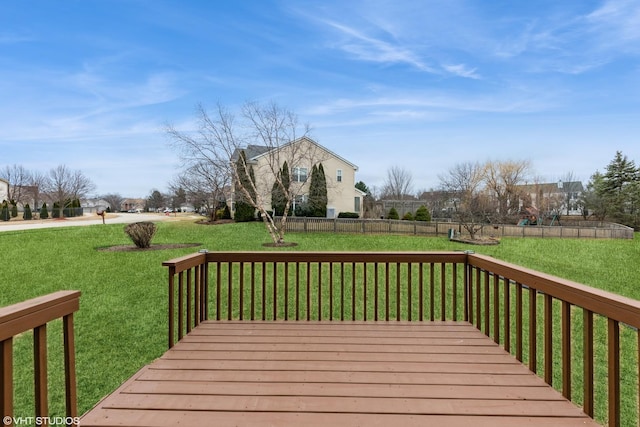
(112, 218)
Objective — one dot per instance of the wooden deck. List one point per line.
(335, 373)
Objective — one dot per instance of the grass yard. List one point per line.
(121, 325)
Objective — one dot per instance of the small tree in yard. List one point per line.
(245, 211)
(318, 192)
(44, 212)
(407, 217)
(222, 136)
(141, 233)
(4, 211)
(422, 214)
(393, 214)
(279, 191)
(27, 212)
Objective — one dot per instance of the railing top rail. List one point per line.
(26, 315)
(601, 302)
(375, 257)
(186, 262)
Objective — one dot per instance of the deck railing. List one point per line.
(34, 315)
(519, 308)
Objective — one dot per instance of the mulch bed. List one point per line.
(133, 248)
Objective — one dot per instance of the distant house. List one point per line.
(4, 190)
(557, 197)
(301, 155)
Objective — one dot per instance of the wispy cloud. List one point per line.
(368, 48)
(462, 70)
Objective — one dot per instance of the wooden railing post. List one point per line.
(34, 315)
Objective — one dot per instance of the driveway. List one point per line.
(112, 218)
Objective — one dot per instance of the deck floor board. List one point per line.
(341, 373)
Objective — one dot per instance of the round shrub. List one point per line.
(407, 217)
(422, 214)
(141, 233)
(393, 214)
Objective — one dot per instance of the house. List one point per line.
(4, 190)
(552, 198)
(301, 155)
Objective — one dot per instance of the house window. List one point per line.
(339, 175)
(299, 174)
(356, 204)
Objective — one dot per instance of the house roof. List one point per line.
(553, 187)
(254, 152)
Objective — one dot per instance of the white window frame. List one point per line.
(339, 175)
(297, 176)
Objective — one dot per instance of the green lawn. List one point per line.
(121, 325)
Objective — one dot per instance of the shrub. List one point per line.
(27, 212)
(244, 212)
(422, 214)
(407, 217)
(44, 213)
(393, 214)
(348, 215)
(141, 233)
(5, 215)
(14, 209)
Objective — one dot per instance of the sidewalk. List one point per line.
(112, 218)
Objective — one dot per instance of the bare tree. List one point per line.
(19, 179)
(221, 138)
(115, 201)
(398, 184)
(464, 182)
(502, 180)
(65, 185)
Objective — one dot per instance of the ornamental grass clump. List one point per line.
(141, 233)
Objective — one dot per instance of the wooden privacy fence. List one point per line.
(34, 315)
(574, 336)
(590, 230)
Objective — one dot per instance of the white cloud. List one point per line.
(462, 70)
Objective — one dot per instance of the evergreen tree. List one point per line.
(393, 214)
(278, 195)
(617, 187)
(318, 192)
(5, 215)
(27, 215)
(44, 213)
(245, 211)
(14, 209)
(422, 214)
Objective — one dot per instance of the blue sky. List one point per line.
(418, 84)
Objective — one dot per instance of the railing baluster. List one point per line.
(229, 290)
(548, 339)
(409, 292)
(189, 301)
(468, 294)
(613, 377)
(487, 310)
(386, 297)
(253, 291)
(275, 290)
(353, 291)
(218, 290)
(297, 291)
(375, 291)
(331, 291)
(496, 309)
(308, 291)
(454, 285)
(533, 333)
(40, 370)
(6, 375)
(319, 291)
(241, 291)
(71, 391)
(507, 314)
(264, 291)
(432, 292)
(286, 291)
(443, 291)
(365, 267)
(478, 300)
(566, 350)
(180, 305)
(421, 292)
(519, 331)
(398, 292)
(341, 292)
(588, 361)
